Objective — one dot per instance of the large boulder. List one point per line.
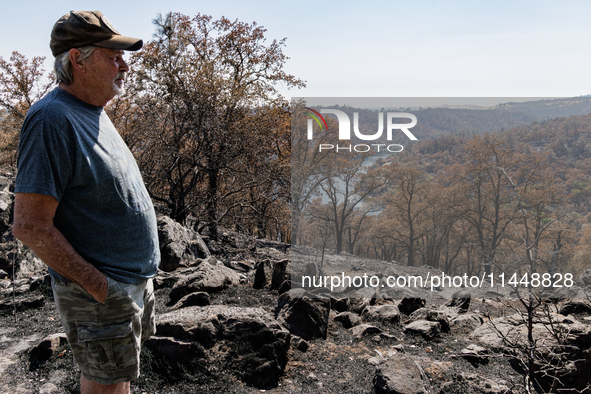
(246, 341)
(210, 276)
(559, 340)
(513, 330)
(178, 244)
(303, 314)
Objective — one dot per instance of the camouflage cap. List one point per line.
(77, 29)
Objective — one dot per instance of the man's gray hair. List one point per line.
(63, 68)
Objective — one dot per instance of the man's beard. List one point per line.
(119, 90)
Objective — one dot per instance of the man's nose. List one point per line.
(123, 66)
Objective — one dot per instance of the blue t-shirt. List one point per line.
(70, 150)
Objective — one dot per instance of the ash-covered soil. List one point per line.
(338, 364)
(341, 363)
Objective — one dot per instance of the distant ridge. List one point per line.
(551, 108)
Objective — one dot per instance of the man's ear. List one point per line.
(74, 55)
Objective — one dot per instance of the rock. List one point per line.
(271, 274)
(27, 264)
(17, 290)
(299, 343)
(433, 315)
(246, 341)
(451, 318)
(22, 302)
(465, 323)
(460, 300)
(303, 315)
(6, 203)
(497, 332)
(178, 244)
(285, 287)
(513, 328)
(428, 329)
(364, 330)
(383, 313)
(46, 348)
(377, 360)
(436, 370)
(277, 253)
(348, 319)
(311, 270)
(401, 375)
(474, 353)
(169, 279)
(340, 304)
(238, 241)
(584, 279)
(490, 386)
(439, 317)
(199, 298)
(9, 354)
(281, 273)
(509, 334)
(480, 384)
(363, 293)
(242, 266)
(357, 305)
(48, 388)
(575, 306)
(173, 351)
(385, 335)
(37, 281)
(164, 279)
(263, 274)
(58, 376)
(207, 277)
(410, 304)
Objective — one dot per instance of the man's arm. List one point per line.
(33, 225)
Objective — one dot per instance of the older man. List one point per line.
(82, 207)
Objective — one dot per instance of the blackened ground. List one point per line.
(337, 365)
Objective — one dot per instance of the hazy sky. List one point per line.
(406, 48)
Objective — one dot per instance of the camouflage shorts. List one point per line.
(106, 339)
